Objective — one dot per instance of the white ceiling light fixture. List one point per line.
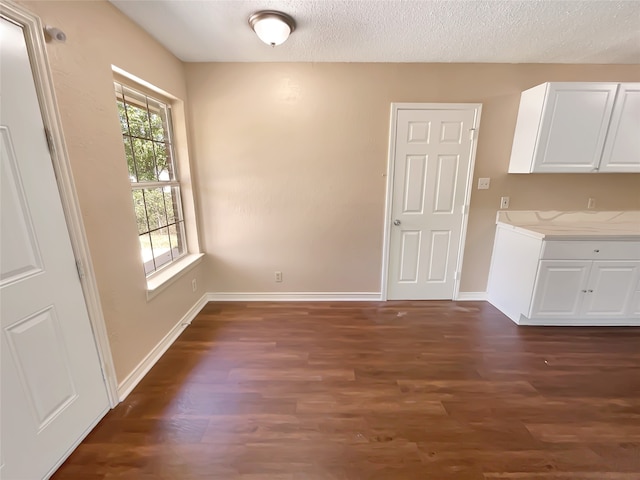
(272, 27)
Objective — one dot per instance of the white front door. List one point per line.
(432, 165)
(52, 385)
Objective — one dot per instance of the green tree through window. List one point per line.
(147, 137)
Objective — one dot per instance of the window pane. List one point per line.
(123, 117)
(143, 152)
(145, 124)
(177, 240)
(157, 127)
(161, 247)
(156, 213)
(146, 253)
(163, 162)
(133, 176)
(138, 120)
(173, 212)
(141, 216)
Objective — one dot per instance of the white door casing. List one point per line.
(431, 159)
(53, 390)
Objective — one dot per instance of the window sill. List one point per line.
(164, 278)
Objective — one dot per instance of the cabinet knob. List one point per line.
(597, 250)
(584, 291)
(589, 291)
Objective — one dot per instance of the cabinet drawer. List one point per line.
(590, 250)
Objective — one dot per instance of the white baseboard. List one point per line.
(128, 384)
(471, 296)
(579, 322)
(294, 297)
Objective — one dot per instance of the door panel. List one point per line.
(52, 385)
(409, 255)
(16, 228)
(438, 260)
(432, 162)
(46, 378)
(414, 188)
(444, 190)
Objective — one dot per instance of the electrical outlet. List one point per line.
(194, 285)
(504, 202)
(591, 204)
(483, 183)
(278, 277)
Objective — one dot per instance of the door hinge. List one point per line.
(456, 275)
(472, 133)
(80, 269)
(47, 135)
(465, 209)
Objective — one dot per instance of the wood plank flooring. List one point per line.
(395, 390)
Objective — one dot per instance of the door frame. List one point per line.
(36, 48)
(393, 128)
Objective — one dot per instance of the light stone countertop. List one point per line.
(578, 225)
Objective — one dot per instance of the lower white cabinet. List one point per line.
(573, 289)
(535, 281)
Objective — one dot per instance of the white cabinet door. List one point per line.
(573, 127)
(610, 289)
(559, 288)
(622, 147)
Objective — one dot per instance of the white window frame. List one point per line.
(168, 273)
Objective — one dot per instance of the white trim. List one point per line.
(471, 296)
(165, 277)
(34, 36)
(138, 373)
(294, 297)
(395, 107)
(393, 127)
(579, 322)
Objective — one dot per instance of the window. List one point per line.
(155, 189)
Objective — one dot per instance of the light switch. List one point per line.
(483, 183)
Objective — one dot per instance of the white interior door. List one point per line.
(52, 387)
(431, 173)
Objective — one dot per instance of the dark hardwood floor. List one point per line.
(396, 390)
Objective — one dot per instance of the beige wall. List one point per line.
(98, 36)
(291, 160)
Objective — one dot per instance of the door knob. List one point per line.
(396, 222)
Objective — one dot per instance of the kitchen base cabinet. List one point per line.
(574, 289)
(538, 281)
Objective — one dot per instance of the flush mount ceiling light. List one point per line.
(272, 27)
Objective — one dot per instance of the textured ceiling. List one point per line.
(530, 31)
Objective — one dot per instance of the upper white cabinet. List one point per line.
(622, 146)
(578, 127)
